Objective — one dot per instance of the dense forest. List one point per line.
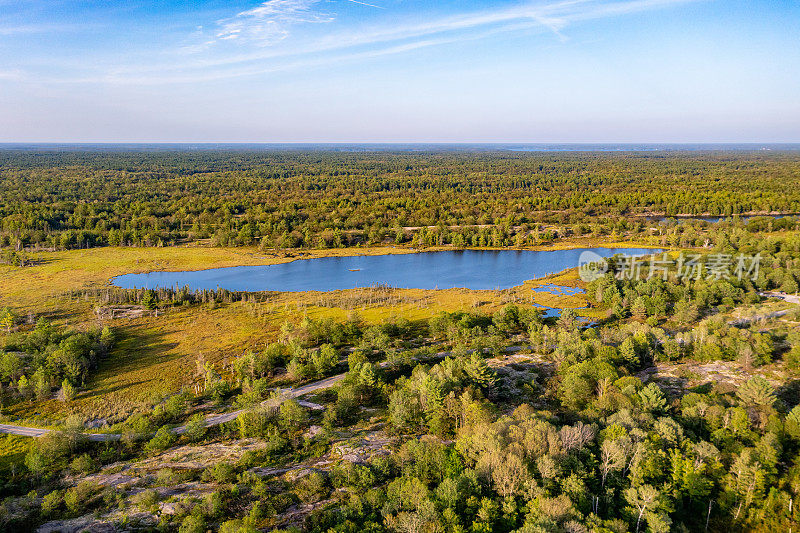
(288, 199)
(673, 404)
(576, 440)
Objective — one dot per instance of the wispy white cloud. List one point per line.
(554, 16)
(305, 62)
(270, 22)
(29, 29)
(366, 4)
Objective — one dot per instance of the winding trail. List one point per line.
(211, 420)
(221, 418)
(791, 298)
(284, 394)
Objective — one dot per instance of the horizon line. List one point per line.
(401, 143)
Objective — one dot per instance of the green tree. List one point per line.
(756, 392)
(163, 439)
(7, 318)
(629, 352)
(41, 384)
(792, 423)
(612, 457)
(639, 308)
(106, 338)
(652, 398)
(150, 299)
(642, 498)
(324, 359)
(67, 392)
(292, 416)
(24, 386)
(478, 371)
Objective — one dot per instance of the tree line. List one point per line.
(332, 199)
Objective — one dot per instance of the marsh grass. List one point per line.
(12, 451)
(156, 355)
(370, 297)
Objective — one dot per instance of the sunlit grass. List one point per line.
(157, 356)
(12, 452)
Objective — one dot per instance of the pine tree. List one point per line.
(149, 299)
(628, 352)
(652, 398)
(639, 308)
(756, 392)
(478, 371)
(67, 392)
(7, 318)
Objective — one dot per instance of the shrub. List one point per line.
(81, 497)
(312, 488)
(254, 423)
(251, 458)
(195, 428)
(52, 502)
(214, 504)
(138, 427)
(219, 390)
(146, 500)
(166, 477)
(193, 524)
(171, 409)
(324, 359)
(236, 526)
(221, 473)
(83, 464)
(275, 445)
(347, 474)
(163, 439)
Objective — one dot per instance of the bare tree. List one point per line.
(642, 498)
(612, 457)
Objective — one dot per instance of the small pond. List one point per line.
(469, 269)
(558, 290)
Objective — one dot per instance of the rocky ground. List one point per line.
(133, 478)
(676, 377)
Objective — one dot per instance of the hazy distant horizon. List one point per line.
(401, 147)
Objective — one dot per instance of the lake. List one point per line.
(469, 269)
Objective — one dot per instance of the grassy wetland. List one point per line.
(665, 400)
(156, 354)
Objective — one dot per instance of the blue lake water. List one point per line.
(469, 269)
(558, 290)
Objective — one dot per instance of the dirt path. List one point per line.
(217, 419)
(38, 432)
(19, 430)
(747, 320)
(211, 420)
(791, 298)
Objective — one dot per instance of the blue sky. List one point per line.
(400, 71)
